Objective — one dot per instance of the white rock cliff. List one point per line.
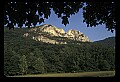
(45, 33)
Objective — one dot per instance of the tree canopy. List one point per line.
(23, 55)
(94, 13)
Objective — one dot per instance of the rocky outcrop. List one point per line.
(53, 30)
(46, 33)
(77, 35)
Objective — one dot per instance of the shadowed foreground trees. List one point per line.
(94, 13)
(65, 62)
(23, 65)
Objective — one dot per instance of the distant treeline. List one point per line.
(26, 56)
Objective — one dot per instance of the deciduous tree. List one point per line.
(94, 13)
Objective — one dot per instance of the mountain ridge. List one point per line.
(109, 41)
(47, 32)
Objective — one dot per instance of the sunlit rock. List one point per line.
(51, 34)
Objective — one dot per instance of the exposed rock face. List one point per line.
(46, 33)
(53, 30)
(77, 35)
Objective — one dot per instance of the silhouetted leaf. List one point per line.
(65, 20)
(41, 20)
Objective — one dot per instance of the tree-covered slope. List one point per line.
(23, 55)
(110, 41)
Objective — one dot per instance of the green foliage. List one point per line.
(11, 64)
(110, 41)
(23, 65)
(104, 65)
(94, 13)
(26, 56)
(39, 65)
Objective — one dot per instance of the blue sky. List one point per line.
(75, 22)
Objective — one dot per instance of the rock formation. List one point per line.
(51, 34)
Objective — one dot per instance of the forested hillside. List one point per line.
(110, 41)
(27, 56)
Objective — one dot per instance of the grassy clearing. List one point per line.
(81, 74)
